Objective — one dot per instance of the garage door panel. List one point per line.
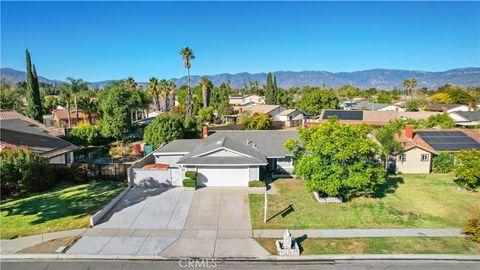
(223, 176)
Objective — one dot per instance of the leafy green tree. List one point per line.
(191, 127)
(153, 87)
(24, 170)
(441, 120)
(115, 106)
(316, 100)
(270, 94)
(349, 91)
(386, 137)
(171, 94)
(10, 97)
(165, 128)
(34, 104)
(86, 135)
(412, 106)
(340, 160)
(466, 169)
(76, 86)
(206, 115)
(443, 162)
(187, 56)
(50, 103)
(257, 121)
(458, 94)
(441, 98)
(385, 97)
(88, 103)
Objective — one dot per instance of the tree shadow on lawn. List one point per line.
(283, 213)
(391, 184)
(299, 241)
(78, 201)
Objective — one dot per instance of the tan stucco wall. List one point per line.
(413, 163)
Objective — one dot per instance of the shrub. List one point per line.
(443, 163)
(85, 135)
(466, 169)
(257, 121)
(442, 120)
(472, 228)
(191, 175)
(24, 170)
(256, 183)
(188, 182)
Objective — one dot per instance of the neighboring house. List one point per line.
(367, 106)
(373, 118)
(247, 99)
(462, 118)
(272, 110)
(291, 117)
(60, 118)
(421, 146)
(447, 108)
(223, 158)
(18, 130)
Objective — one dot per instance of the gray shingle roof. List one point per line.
(470, 116)
(19, 132)
(268, 142)
(179, 146)
(200, 154)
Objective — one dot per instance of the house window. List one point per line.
(402, 157)
(425, 157)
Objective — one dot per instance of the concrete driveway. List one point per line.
(150, 208)
(218, 225)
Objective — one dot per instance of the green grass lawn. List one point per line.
(381, 245)
(410, 201)
(64, 207)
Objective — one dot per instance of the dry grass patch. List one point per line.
(51, 246)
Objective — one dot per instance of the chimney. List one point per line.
(204, 132)
(409, 131)
(444, 109)
(470, 106)
(240, 110)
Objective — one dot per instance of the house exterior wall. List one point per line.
(151, 177)
(254, 173)
(392, 108)
(285, 163)
(223, 153)
(167, 159)
(413, 163)
(462, 108)
(254, 99)
(62, 159)
(274, 113)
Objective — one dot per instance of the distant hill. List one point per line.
(379, 78)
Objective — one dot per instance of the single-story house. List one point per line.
(420, 146)
(246, 99)
(221, 158)
(17, 130)
(60, 118)
(365, 106)
(462, 118)
(272, 110)
(448, 108)
(291, 117)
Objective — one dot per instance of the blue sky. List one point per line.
(113, 40)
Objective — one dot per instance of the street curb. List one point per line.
(331, 258)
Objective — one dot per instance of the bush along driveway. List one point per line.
(66, 206)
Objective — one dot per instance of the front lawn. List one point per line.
(381, 245)
(409, 201)
(64, 207)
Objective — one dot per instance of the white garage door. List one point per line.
(223, 176)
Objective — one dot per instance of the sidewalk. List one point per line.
(15, 245)
(348, 233)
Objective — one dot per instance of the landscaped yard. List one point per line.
(381, 245)
(409, 201)
(66, 206)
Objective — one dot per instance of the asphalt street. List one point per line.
(212, 264)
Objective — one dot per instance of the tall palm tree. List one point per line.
(413, 84)
(188, 56)
(163, 94)
(88, 104)
(130, 83)
(76, 86)
(206, 86)
(171, 94)
(154, 89)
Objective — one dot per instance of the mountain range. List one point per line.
(379, 78)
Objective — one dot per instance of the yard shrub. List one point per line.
(188, 182)
(472, 228)
(85, 135)
(256, 183)
(24, 170)
(191, 175)
(443, 163)
(466, 169)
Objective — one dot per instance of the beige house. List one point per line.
(245, 100)
(421, 146)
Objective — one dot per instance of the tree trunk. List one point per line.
(69, 118)
(205, 97)
(189, 95)
(90, 118)
(76, 108)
